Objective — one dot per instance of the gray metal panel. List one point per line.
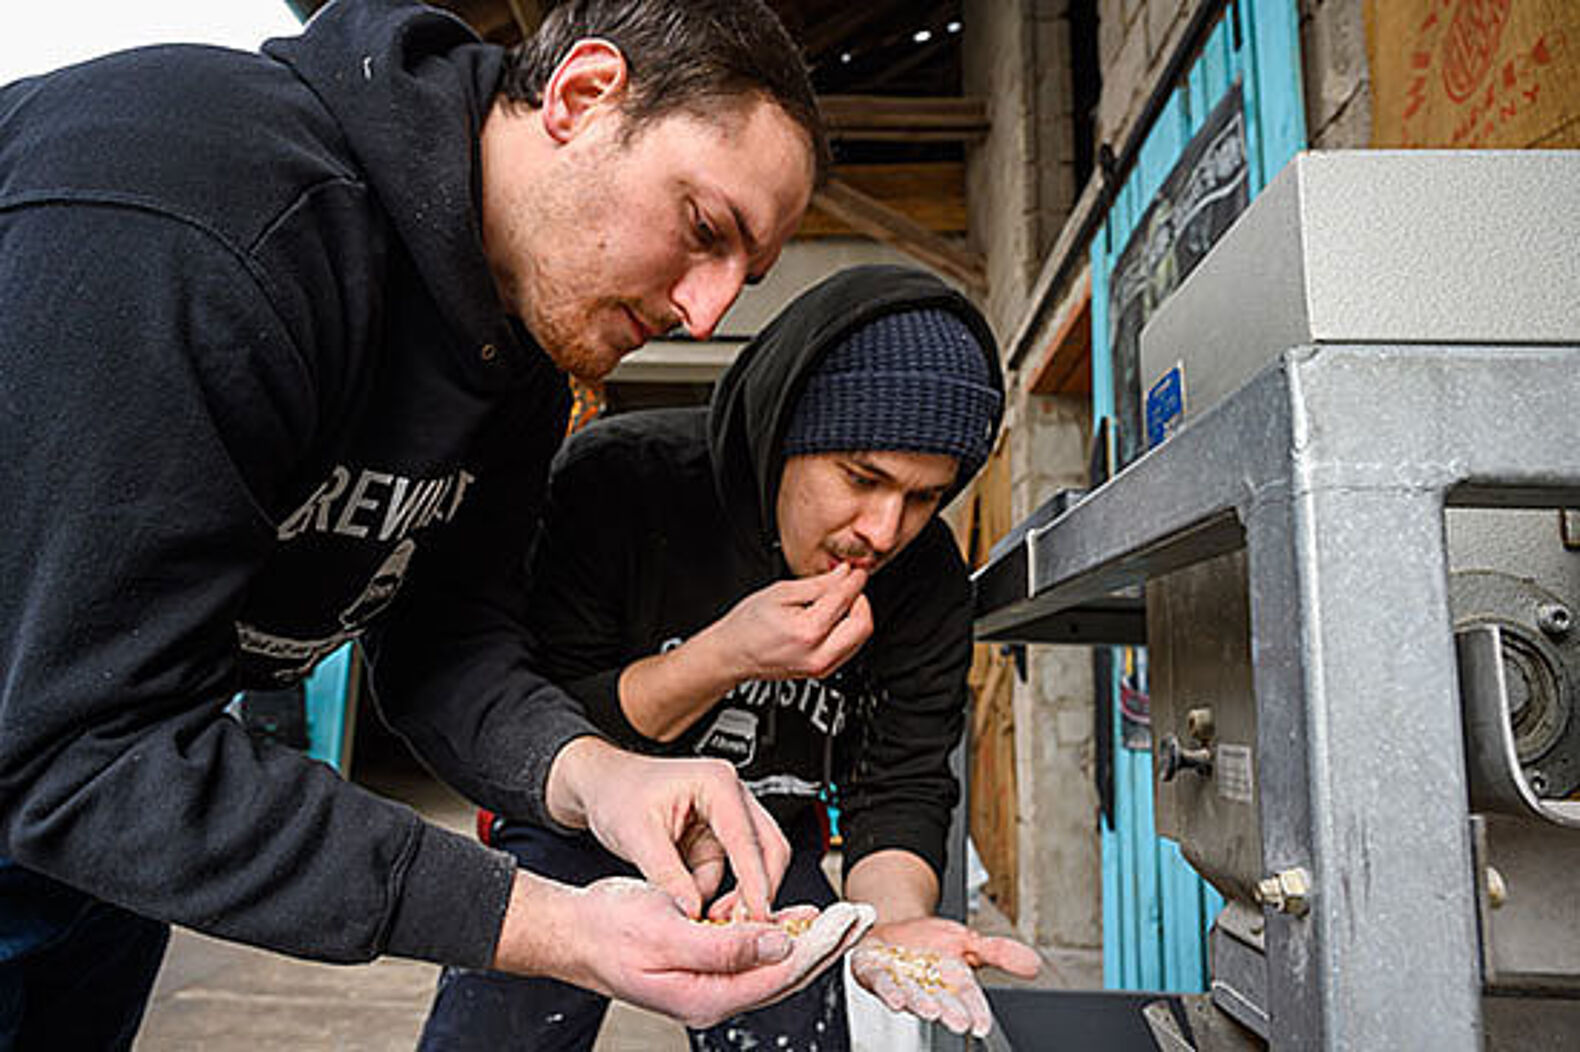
(1531, 931)
(1332, 468)
(1199, 639)
(1377, 246)
(1038, 1020)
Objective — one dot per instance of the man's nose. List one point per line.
(705, 292)
(879, 523)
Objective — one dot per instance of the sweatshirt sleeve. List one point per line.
(453, 669)
(151, 406)
(587, 589)
(902, 792)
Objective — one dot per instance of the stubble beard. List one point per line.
(553, 301)
(566, 329)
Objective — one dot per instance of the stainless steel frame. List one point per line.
(1332, 468)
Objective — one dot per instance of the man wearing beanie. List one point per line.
(766, 581)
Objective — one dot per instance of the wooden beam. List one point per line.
(895, 118)
(1066, 366)
(869, 216)
(932, 193)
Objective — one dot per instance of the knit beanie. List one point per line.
(914, 381)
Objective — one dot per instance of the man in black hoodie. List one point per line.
(767, 581)
(283, 340)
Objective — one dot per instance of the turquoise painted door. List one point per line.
(1156, 910)
(331, 709)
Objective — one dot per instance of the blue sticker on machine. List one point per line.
(1165, 406)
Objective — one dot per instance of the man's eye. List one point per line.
(860, 481)
(706, 235)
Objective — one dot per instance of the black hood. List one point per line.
(752, 402)
(391, 72)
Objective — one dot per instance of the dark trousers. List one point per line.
(75, 972)
(482, 1010)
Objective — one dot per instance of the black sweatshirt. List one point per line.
(658, 522)
(257, 388)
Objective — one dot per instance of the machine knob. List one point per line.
(1174, 758)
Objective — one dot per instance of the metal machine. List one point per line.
(1361, 602)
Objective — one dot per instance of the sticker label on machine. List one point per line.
(1233, 773)
(1165, 409)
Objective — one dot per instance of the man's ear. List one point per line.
(590, 78)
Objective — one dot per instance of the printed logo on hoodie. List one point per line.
(757, 719)
(368, 505)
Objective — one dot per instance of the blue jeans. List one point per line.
(75, 972)
(482, 1010)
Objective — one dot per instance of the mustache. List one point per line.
(853, 552)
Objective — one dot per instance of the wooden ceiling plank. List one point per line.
(869, 216)
(879, 117)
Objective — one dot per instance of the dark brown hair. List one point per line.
(681, 55)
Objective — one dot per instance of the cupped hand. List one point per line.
(634, 943)
(926, 967)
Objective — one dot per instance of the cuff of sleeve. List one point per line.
(920, 836)
(451, 902)
(601, 695)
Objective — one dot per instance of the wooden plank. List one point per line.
(931, 193)
(905, 118)
(994, 808)
(1066, 367)
(867, 215)
(994, 796)
(1474, 75)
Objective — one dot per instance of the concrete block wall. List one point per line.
(1336, 76)
(1137, 36)
(1054, 118)
(1020, 189)
(1133, 37)
(1001, 192)
(1060, 879)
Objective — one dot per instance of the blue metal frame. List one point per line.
(330, 709)
(1156, 910)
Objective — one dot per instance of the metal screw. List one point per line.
(1288, 891)
(1554, 619)
(1497, 889)
(1537, 781)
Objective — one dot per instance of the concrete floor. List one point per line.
(214, 996)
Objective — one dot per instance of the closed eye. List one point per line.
(859, 481)
(703, 230)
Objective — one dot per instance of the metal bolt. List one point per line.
(1288, 891)
(1537, 781)
(1199, 724)
(1554, 619)
(1497, 889)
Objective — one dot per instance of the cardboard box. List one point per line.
(1466, 74)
